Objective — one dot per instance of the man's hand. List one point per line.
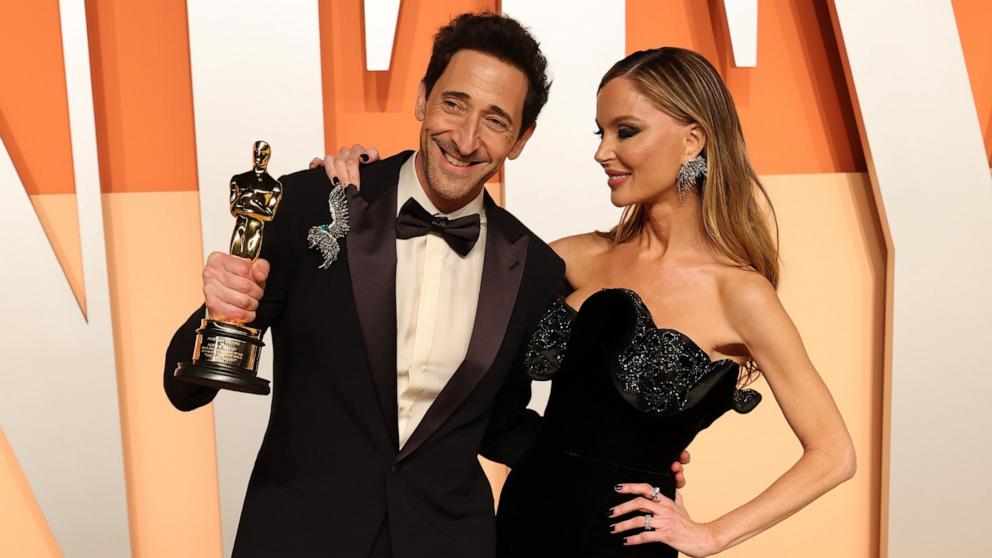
(232, 286)
(679, 471)
(343, 167)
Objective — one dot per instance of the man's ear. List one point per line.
(518, 145)
(420, 108)
(695, 140)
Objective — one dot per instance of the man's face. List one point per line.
(470, 125)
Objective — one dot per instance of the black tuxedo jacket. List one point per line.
(329, 479)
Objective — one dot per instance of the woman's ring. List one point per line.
(647, 522)
(655, 494)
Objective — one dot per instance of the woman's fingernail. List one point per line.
(609, 512)
(613, 528)
(336, 181)
(364, 157)
(617, 487)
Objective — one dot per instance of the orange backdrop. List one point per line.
(798, 122)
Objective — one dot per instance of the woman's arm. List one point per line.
(828, 459)
(828, 455)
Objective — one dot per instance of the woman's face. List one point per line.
(642, 147)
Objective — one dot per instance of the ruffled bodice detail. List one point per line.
(659, 371)
(547, 345)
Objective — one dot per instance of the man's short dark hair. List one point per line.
(498, 36)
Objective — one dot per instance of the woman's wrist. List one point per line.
(717, 536)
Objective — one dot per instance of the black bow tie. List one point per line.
(460, 233)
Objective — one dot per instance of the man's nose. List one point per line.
(466, 137)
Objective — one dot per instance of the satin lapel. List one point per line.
(372, 263)
(502, 270)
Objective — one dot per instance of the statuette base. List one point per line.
(226, 356)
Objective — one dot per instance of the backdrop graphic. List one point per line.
(866, 124)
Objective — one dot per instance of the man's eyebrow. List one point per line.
(501, 113)
(495, 109)
(456, 94)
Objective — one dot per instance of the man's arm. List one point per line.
(183, 396)
(512, 426)
(236, 289)
(233, 289)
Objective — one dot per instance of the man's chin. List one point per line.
(454, 186)
(456, 194)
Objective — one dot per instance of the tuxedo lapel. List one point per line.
(371, 246)
(502, 270)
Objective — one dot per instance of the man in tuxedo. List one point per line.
(396, 364)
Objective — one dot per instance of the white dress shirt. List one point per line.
(437, 293)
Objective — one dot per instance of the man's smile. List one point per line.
(455, 162)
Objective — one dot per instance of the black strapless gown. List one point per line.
(627, 399)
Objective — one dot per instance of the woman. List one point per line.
(665, 318)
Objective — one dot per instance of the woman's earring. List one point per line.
(689, 175)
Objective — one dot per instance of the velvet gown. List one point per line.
(626, 400)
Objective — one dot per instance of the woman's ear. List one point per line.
(695, 140)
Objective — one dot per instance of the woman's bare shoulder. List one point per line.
(575, 248)
(584, 254)
(744, 291)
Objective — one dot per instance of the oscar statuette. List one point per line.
(226, 353)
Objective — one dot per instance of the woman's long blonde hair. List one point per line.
(685, 86)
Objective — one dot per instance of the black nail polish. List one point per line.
(350, 185)
(617, 487)
(625, 540)
(336, 181)
(364, 157)
(609, 512)
(613, 528)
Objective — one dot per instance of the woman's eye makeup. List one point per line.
(625, 132)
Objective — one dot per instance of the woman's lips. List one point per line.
(616, 180)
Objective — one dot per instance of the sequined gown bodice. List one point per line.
(626, 399)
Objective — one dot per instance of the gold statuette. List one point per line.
(227, 352)
(255, 196)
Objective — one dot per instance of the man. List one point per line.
(395, 364)
(388, 364)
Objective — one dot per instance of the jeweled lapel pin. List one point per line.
(325, 237)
